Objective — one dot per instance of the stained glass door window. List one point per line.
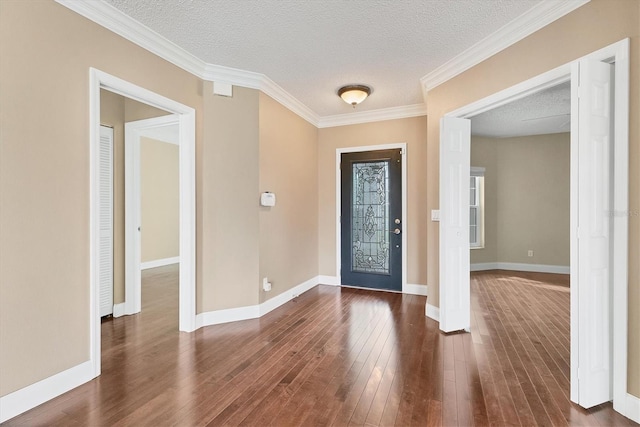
(370, 217)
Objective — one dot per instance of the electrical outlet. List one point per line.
(530, 253)
(266, 285)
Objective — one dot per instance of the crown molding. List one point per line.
(403, 112)
(272, 89)
(109, 17)
(249, 79)
(234, 76)
(526, 24)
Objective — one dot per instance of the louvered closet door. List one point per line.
(105, 268)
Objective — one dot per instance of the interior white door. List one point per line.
(132, 220)
(105, 267)
(594, 230)
(455, 149)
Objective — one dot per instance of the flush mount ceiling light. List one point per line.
(354, 94)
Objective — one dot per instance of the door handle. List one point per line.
(396, 231)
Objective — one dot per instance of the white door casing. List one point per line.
(592, 174)
(105, 265)
(133, 244)
(186, 117)
(455, 169)
(618, 54)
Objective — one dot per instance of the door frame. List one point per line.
(133, 131)
(339, 151)
(186, 118)
(617, 53)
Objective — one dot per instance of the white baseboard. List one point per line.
(254, 311)
(630, 408)
(432, 312)
(285, 297)
(228, 315)
(412, 289)
(329, 280)
(118, 310)
(14, 404)
(511, 266)
(159, 262)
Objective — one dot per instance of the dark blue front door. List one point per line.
(371, 219)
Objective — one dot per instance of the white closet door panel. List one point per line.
(594, 207)
(455, 297)
(106, 221)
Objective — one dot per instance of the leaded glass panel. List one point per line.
(370, 217)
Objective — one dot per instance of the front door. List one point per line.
(371, 219)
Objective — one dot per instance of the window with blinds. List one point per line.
(476, 208)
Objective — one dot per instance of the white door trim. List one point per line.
(617, 53)
(101, 80)
(402, 146)
(133, 131)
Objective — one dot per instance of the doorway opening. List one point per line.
(186, 122)
(602, 375)
(152, 201)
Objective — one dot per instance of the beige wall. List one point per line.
(44, 178)
(288, 168)
(231, 234)
(255, 145)
(483, 154)
(159, 200)
(413, 132)
(134, 110)
(527, 198)
(591, 27)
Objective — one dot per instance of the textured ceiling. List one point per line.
(544, 112)
(311, 48)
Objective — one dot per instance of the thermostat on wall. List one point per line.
(268, 199)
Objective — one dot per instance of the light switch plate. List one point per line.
(435, 215)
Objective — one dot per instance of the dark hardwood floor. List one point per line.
(337, 356)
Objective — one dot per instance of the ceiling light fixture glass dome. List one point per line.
(354, 94)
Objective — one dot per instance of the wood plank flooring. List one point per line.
(337, 356)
